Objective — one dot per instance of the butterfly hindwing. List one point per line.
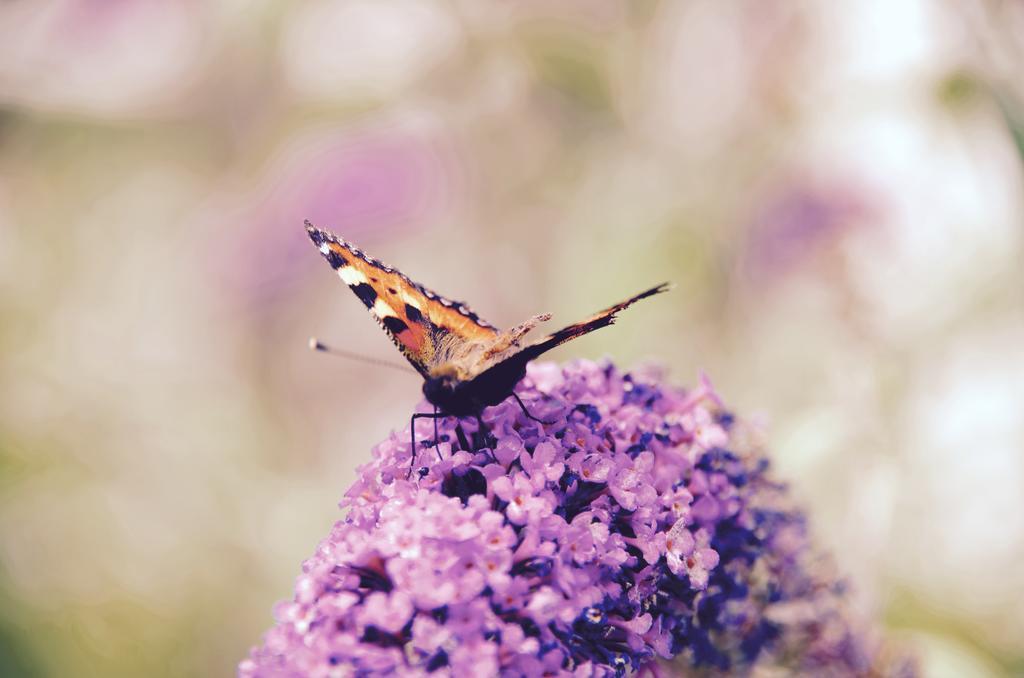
(422, 323)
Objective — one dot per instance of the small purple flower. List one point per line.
(541, 465)
(386, 611)
(519, 493)
(684, 555)
(638, 527)
(630, 484)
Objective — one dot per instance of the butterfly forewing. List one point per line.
(422, 323)
(594, 322)
(518, 359)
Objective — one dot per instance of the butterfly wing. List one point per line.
(595, 322)
(504, 367)
(425, 326)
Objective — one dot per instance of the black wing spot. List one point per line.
(316, 235)
(394, 324)
(392, 290)
(335, 260)
(367, 294)
(413, 313)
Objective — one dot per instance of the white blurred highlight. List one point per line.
(351, 49)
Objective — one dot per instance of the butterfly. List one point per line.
(466, 363)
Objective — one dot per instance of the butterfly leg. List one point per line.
(486, 437)
(522, 406)
(437, 436)
(463, 440)
(483, 431)
(435, 415)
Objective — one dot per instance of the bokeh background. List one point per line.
(835, 187)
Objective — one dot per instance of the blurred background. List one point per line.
(835, 187)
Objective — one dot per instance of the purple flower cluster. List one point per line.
(638, 527)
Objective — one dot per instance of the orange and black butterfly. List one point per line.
(466, 363)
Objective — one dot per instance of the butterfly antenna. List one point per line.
(316, 345)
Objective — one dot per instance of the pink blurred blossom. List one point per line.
(365, 182)
(101, 57)
(801, 217)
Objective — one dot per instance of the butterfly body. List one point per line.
(466, 363)
(468, 398)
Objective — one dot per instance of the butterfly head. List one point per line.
(441, 388)
(436, 388)
(441, 382)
